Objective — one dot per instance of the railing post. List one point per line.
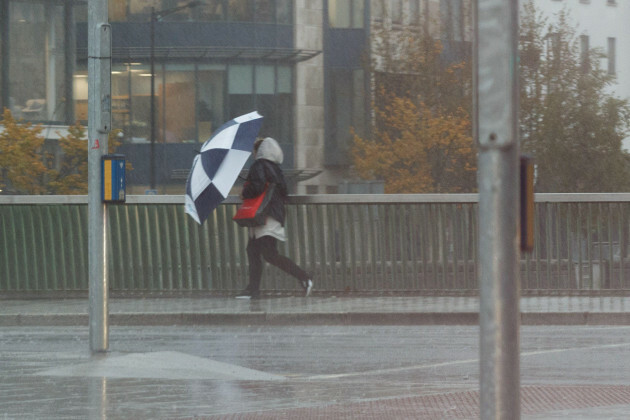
(496, 133)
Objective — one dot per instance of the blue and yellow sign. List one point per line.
(113, 179)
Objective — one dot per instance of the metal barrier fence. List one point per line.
(380, 243)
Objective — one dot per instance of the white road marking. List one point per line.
(458, 362)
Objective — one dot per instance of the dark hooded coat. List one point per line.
(264, 170)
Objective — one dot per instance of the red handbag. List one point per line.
(253, 211)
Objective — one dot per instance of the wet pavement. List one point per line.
(320, 309)
(295, 358)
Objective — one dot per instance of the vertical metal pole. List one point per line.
(99, 121)
(152, 105)
(496, 132)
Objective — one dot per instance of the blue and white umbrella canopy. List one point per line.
(215, 169)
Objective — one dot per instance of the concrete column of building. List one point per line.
(309, 89)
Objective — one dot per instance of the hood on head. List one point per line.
(270, 149)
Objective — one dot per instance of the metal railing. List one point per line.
(380, 243)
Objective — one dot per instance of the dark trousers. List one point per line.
(266, 247)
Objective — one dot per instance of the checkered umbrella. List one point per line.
(215, 169)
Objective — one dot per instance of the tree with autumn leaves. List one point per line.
(418, 150)
(23, 159)
(570, 122)
(72, 175)
(421, 136)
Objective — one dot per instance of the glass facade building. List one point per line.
(300, 64)
(213, 61)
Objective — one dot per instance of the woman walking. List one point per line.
(263, 239)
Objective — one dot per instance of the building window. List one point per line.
(131, 100)
(36, 61)
(118, 10)
(240, 11)
(346, 111)
(358, 101)
(553, 45)
(611, 2)
(584, 53)
(397, 12)
(240, 89)
(80, 91)
(175, 97)
(264, 11)
(358, 13)
(414, 12)
(277, 108)
(210, 99)
(376, 10)
(612, 64)
(452, 20)
(345, 13)
(268, 90)
(340, 112)
(284, 11)
(211, 10)
(190, 102)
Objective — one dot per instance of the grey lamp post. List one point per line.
(156, 16)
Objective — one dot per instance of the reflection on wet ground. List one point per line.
(183, 372)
